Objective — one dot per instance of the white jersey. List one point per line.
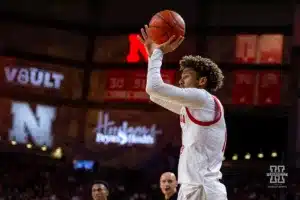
(202, 122)
(203, 143)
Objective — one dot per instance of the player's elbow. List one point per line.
(152, 99)
(150, 90)
(156, 88)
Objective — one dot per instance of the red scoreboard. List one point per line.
(123, 85)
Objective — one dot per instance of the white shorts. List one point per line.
(193, 192)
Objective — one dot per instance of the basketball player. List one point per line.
(168, 185)
(100, 190)
(201, 118)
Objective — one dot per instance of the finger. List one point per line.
(140, 39)
(182, 38)
(143, 34)
(171, 39)
(146, 29)
(179, 40)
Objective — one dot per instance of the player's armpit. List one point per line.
(173, 107)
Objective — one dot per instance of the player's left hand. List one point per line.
(167, 47)
(170, 45)
(147, 41)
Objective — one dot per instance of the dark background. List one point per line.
(93, 36)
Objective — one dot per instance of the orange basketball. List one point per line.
(165, 24)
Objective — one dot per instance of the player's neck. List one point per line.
(202, 87)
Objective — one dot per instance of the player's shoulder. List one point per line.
(215, 100)
(209, 95)
(207, 98)
(212, 99)
(202, 92)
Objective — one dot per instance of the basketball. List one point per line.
(164, 25)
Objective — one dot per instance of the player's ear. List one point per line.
(202, 82)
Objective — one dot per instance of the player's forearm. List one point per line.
(155, 84)
(154, 79)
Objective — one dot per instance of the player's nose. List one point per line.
(180, 82)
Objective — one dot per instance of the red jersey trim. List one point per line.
(218, 115)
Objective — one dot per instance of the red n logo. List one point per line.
(136, 49)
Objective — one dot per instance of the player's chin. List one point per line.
(166, 190)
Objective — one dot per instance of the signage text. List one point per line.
(107, 131)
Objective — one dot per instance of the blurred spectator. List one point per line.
(100, 190)
(168, 185)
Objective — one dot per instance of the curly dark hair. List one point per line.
(204, 68)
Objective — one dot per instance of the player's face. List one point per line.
(99, 192)
(188, 78)
(168, 184)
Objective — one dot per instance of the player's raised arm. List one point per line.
(199, 75)
(191, 97)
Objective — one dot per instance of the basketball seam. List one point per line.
(164, 34)
(164, 20)
(174, 19)
(176, 22)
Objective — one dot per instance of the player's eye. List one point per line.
(184, 76)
